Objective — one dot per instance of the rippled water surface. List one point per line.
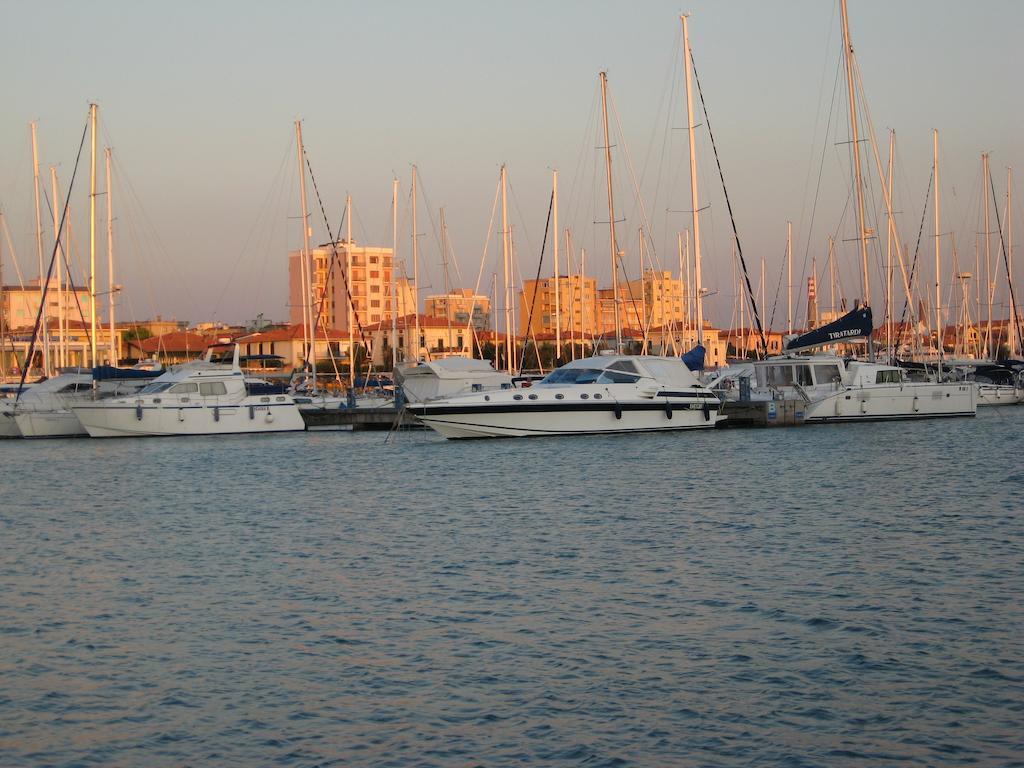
(831, 595)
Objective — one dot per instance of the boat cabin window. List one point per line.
(572, 376)
(77, 386)
(780, 375)
(827, 374)
(184, 388)
(623, 365)
(212, 388)
(152, 389)
(888, 377)
(612, 376)
(802, 375)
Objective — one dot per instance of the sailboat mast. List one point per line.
(989, 284)
(61, 330)
(394, 272)
(308, 333)
(855, 137)
(938, 248)
(415, 265)
(447, 282)
(694, 199)
(1011, 329)
(888, 249)
(789, 277)
(39, 249)
(558, 305)
(509, 363)
(110, 259)
(611, 211)
(92, 240)
(351, 299)
(304, 256)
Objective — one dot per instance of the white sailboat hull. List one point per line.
(898, 401)
(8, 426)
(127, 420)
(62, 423)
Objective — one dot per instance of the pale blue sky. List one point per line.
(198, 101)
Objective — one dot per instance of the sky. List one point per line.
(198, 101)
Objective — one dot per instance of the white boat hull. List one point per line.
(534, 421)
(999, 394)
(898, 401)
(64, 423)
(8, 426)
(150, 420)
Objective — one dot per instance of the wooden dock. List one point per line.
(757, 413)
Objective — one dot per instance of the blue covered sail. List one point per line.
(694, 359)
(853, 325)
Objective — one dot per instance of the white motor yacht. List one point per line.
(200, 398)
(836, 389)
(448, 377)
(45, 409)
(596, 395)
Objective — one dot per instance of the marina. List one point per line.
(748, 274)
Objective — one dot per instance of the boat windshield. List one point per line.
(152, 389)
(572, 376)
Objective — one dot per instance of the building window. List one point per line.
(374, 318)
(374, 289)
(374, 302)
(374, 273)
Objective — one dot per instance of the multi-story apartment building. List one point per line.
(460, 306)
(370, 282)
(577, 311)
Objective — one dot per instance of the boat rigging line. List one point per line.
(536, 285)
(1009, 277)
(917, 247)
(732, 218)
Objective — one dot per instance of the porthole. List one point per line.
(597, 397)
(487, 398)
(532, 397)
(559, 396)
(584, 396)
(517, 397)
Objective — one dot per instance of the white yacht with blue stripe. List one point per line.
(597, 395)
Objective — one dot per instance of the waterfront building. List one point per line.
(169, 348)
(745, 342)
(460, 306)
(438, 338)
(576, 307)
(370, 285)
(288, 344)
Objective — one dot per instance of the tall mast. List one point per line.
(558, 305)
(789, 277)
(989, 284)
(888, 250)
(505, 266)
(308, 332)
(447, 284)
(351, 293)
(394, 272)
(61, 330)
(938, 247)
(92, 241)
(110, 259)
(39, 250)
(855, 137)
(611, 211)
(415, 265)
(572, 294)
(1011, 329)
(694, 199)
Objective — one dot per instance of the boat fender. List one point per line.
(138, 412)
(252, 413)
(216, 413)
(270, 418)
(668, 410)
(618, 412)
(707, 412)
(181, 415)
(916, 406)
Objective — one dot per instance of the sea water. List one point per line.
(828, 595)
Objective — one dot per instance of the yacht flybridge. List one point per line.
(205, 397)
(595, 395)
